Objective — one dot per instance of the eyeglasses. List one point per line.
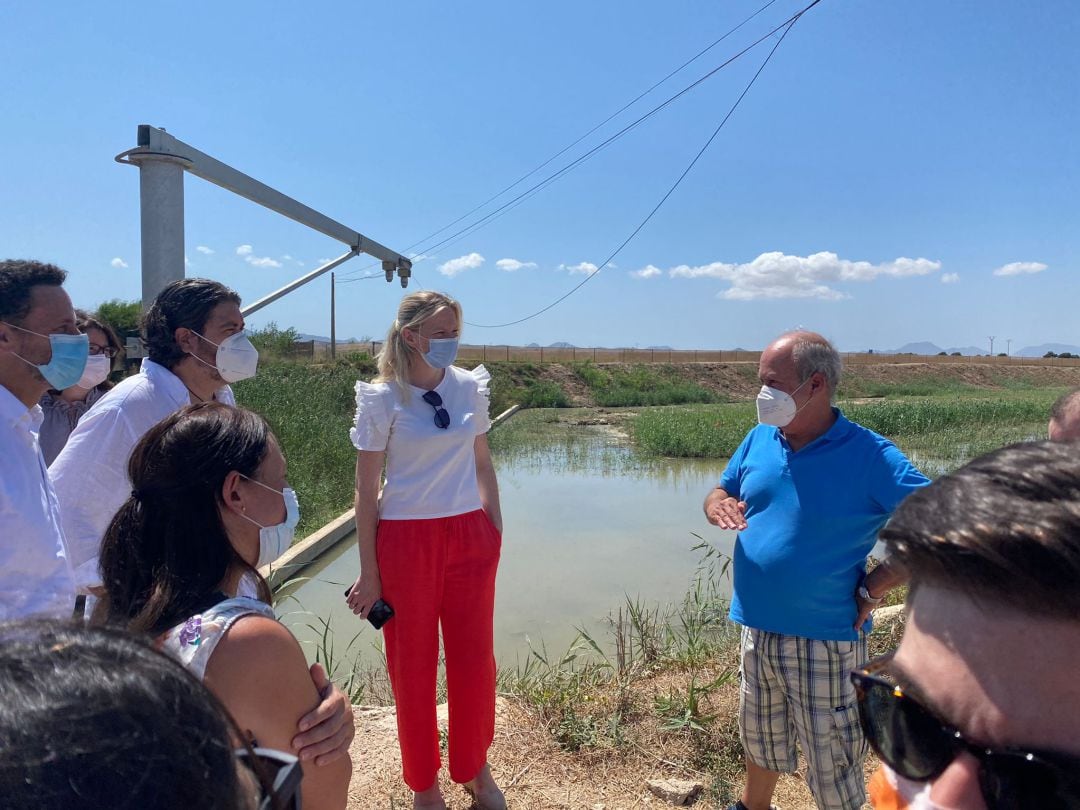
(108, 351)
(442, 417)
(279, 776)
(918, 746)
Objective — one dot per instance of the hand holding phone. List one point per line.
(379, 613)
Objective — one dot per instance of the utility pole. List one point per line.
(992, 345)
(333, 325)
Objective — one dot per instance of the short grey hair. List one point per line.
(1066, 407)
(813, 354)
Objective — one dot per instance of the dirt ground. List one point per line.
(534, 772)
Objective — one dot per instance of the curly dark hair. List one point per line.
(17, 278)
(184, 303)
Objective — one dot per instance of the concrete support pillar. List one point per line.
(161, 192)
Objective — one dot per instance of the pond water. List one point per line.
(586, 524)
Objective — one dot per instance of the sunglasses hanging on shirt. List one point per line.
(442, 416)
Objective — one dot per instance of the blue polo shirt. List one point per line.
(812, 517)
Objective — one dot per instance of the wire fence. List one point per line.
(318, 351)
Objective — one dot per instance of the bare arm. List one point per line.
(259, 673)
(725, 511)
(486, 481)
(368, 586)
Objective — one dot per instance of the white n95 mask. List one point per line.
(275, 540)
(775, 407)
(237, 359)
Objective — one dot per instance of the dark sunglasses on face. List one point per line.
(442, 417)
(912, 741)
(278, 774)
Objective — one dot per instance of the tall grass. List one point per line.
(639, 385)
(310, 409)
(948, 431)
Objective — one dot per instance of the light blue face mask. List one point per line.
(441, 352)
(69, 354)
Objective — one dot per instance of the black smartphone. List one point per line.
(379, 614)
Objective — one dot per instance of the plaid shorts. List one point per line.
(798, 689)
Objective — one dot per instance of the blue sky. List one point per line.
(891, 157)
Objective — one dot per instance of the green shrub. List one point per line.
(544, 395)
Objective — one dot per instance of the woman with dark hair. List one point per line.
(210, 503)
(95, 719)
(64, 409)
(430, 540)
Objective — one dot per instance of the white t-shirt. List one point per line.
(430, 472)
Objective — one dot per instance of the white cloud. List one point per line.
(203, 249)
(950, 278)
(511, 265)
(253, 260)
(461, 264)
(118, 263)
(586, 268)
(778, 275)
(649, 271)
(262, 261)
(286, 258)
(1020, 268)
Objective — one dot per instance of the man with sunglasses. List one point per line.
(807, 491)
(979, 707)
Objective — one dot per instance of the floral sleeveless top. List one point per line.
(193, 642)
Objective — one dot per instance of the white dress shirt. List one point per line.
(35, 578)
(91, 472)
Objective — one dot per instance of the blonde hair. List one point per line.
(395, 357)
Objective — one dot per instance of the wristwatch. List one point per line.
(866, 597)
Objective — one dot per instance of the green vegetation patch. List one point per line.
(518, 383)
(310, 409)
(712, 431)
(938, 434)
(640, 385)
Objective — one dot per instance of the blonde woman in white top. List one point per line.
(430, 542)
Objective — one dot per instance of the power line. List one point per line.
(574, 143)
(607, 142)
(670, 191)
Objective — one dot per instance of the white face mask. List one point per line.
(96, 372)
(275, 540)
(890, 789)
(775, 407)
(237, 359)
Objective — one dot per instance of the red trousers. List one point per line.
(441, 572)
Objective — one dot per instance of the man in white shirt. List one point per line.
(35, 577)
(182, 330)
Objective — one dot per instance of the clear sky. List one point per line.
(902, 170)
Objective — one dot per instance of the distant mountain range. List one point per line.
(923, 347)
(927, 348)
(324, 339)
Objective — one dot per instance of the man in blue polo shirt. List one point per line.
(807, 490)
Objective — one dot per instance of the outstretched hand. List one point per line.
(727, 513)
